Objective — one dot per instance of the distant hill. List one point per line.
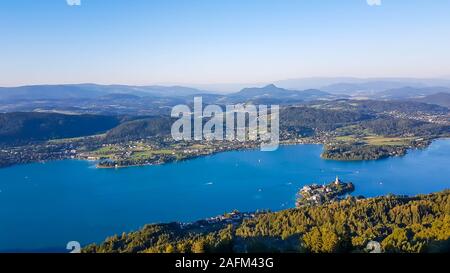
(153, 100)
(275, 94)
(48, 92)
(122, 99)
(442, 99)
(119, 96)
(172, 91)
(410, 92)
(90, 91)
(342, 85)
(21, 128)
(269, 90)
(402, 106)
(323, 82)
(367, 87)
(351, 86)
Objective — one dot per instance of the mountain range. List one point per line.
(410, 92)
(125, 92)
(351, 85)
(273, 94)
(88, 91)
(150, 100)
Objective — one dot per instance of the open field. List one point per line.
(381, 140)
(73, 139)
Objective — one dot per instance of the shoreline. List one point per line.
(199, 156)
(283, 143)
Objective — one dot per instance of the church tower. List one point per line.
(337, 181)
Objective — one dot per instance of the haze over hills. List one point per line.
(366, 87)
(87, 91)
(351, 85)
(442, 99)
(36, 92)
(338, 85)
(151, 100)
(410, 92)
(346, 85)
(277, 95)
(93, 98)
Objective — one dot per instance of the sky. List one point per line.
(220, 41)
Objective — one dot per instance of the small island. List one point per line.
(322, 194)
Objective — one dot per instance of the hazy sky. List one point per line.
(220, 41)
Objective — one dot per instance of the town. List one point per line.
(321, 194)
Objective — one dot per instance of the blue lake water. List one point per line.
(43, 206)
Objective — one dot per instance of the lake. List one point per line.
(45, 205)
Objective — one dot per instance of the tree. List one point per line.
(397, 241)
(330, 240)
(169, 249)
(198, 247)
(313, 240)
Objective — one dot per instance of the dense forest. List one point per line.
(398, 223)
(387, 126)
(141, 128)
(294, 118)
(400, 106)
(21, 128)
(355, 151)
(380, 106)
(297, 119)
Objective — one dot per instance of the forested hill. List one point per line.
(21, 128)
(399, 224)
(442, 99)
(24, 127)
(292, 118)
(141, 128)
(318, 119)
(378, 106)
